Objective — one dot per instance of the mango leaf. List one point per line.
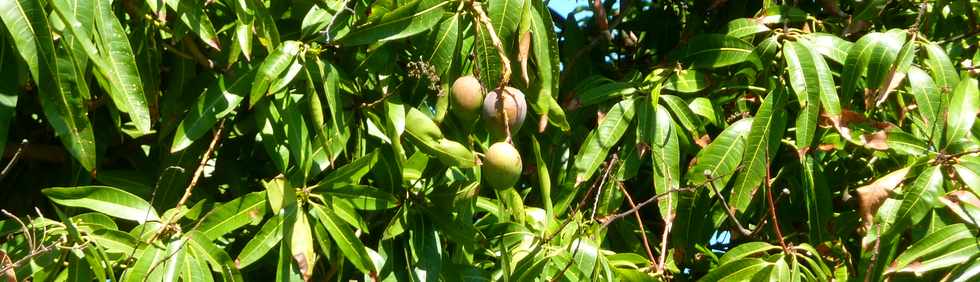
(602, 92)
(216, 257)
(711, 51)
(409, 19)
(687, 81)
(350, 173)
(194, 267)
(738, 270)
(920, 197)
(808, 83)
(229, 216)
(352, 247)
(720, 159)
(114, 241)
(871, 55)
(28, 26)
(544, 45)
(111, 201)
(828, 45)
(683, 114)
(363, 197)
(743, 27)
(193, 15)
(301, 243)
(442, 43)
(906, 143)
(963, 108)
(505, 16)
(939, 247)
(928, 101)
(266, 239)
(761, 146)
(119, 67)
(269, 71)
(968, 169)
(141, 269)
(216, 103)
(941, 68)
(665, 155)
(596, 146)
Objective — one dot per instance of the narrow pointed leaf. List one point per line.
(108, 200)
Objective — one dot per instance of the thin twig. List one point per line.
(578, 207)
(639, 221)
(200, 166)
(639, 206)
(482, 18)
(598, 194)
(13, 160)
(772, 206)
(728, 211)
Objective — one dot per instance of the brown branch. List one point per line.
(772, 206)
(639, 221)
(482, 18)
(639, 206)
(200, 166)
(728, 210)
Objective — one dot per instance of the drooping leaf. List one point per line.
(344, 238)
(64, 111)
(232, 215)
(108, 200)
(264, 240)
(720, 159)
(275, 64)
(919, 198)
(687, 81)
(218, 259)
(597, 145)
(409, 19)
(119, 67)
(216, 103)
(195, 18)
(713, 51)
(665, 154)
(761, 146)
(870, 56)
(743, 27)
(963, 108)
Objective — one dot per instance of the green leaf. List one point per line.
(713, 51)
(678, 107)
(603, 92)
(227, 217)
(871, 55)
(920, 197)
(363, 197)
(907, 143)
(744, 250)
(505, 16)
(216, 257)
(941, 67)
(968, 169)
(194, 267)
(443, 44)
(687, 81)
(271, 68)
(721, 158)
(828, 45)
(739, 270)
(813, 84)
(217, 102)
(596, 146)
(108, 200)
(963, 108)
(666, 159)
(544, 45)
(266, 239)
(928, 101)
(761, 146)
(140, 270)
(114, 241)
(195, 18)
(408, 19)
(350, 173)
(344, 237)
(28, 26)
(939, 243)
(743, 27)
(119, 67)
